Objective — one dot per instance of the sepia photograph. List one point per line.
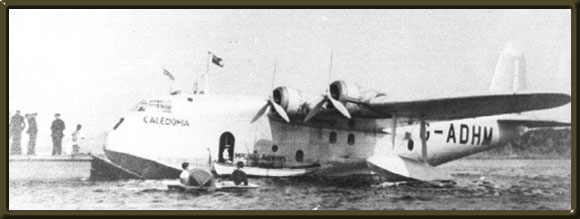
(290, 109)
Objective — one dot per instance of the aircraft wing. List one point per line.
(534, 123)
(467, 107)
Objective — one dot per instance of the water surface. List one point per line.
(499, 184)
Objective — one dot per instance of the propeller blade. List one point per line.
(279, 110)
(261, 112)
(315, 110)
(339, 106)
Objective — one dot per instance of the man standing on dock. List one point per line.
(32, 130)
(17, 125)
(76, 138)
(57, 128)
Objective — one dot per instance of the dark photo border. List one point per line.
(180, 4)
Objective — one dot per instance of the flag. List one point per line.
(217, 60)
(165, 72)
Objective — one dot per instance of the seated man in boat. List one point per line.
(196, 177)
(239, 176)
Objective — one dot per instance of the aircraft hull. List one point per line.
(204, 130)
(149, 169)
(155, 144)
(145, 168)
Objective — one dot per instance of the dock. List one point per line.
(48, 167)
(66, 167)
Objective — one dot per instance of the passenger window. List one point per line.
(410, 142)
(332, 137)
(299, 156)
(350, 139)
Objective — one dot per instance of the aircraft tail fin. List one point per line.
(509, 76)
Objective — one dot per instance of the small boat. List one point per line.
(227, 169)
(220, 186)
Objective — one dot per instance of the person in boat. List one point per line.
(239, 176)
(184, 176)
(196, 177)
(255, 159)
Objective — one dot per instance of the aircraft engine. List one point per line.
(351, 96)
(291, 100)
(345, 98)
(341, 91)
(346, 92)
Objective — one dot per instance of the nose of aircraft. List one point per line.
(112, 140)
(112, 137)
(107, 144)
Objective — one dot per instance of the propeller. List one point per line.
(270, 103)
(327, 99)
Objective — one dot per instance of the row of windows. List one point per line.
(332, 138)
(299, 154)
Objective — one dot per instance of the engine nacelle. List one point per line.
(290, 99)
(347, 92)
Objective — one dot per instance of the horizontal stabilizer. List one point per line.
(468, 107)
(534, 123)
(395, 168)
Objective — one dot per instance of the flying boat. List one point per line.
(347, 130)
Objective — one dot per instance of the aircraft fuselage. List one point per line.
(196, 129)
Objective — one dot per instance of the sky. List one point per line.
(92, 66)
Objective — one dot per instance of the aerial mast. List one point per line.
(206, 74)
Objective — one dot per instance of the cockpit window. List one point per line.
(141, 106)
(153, 106)
(161, 105)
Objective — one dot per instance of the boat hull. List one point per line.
(220, 186)
(227, 169)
